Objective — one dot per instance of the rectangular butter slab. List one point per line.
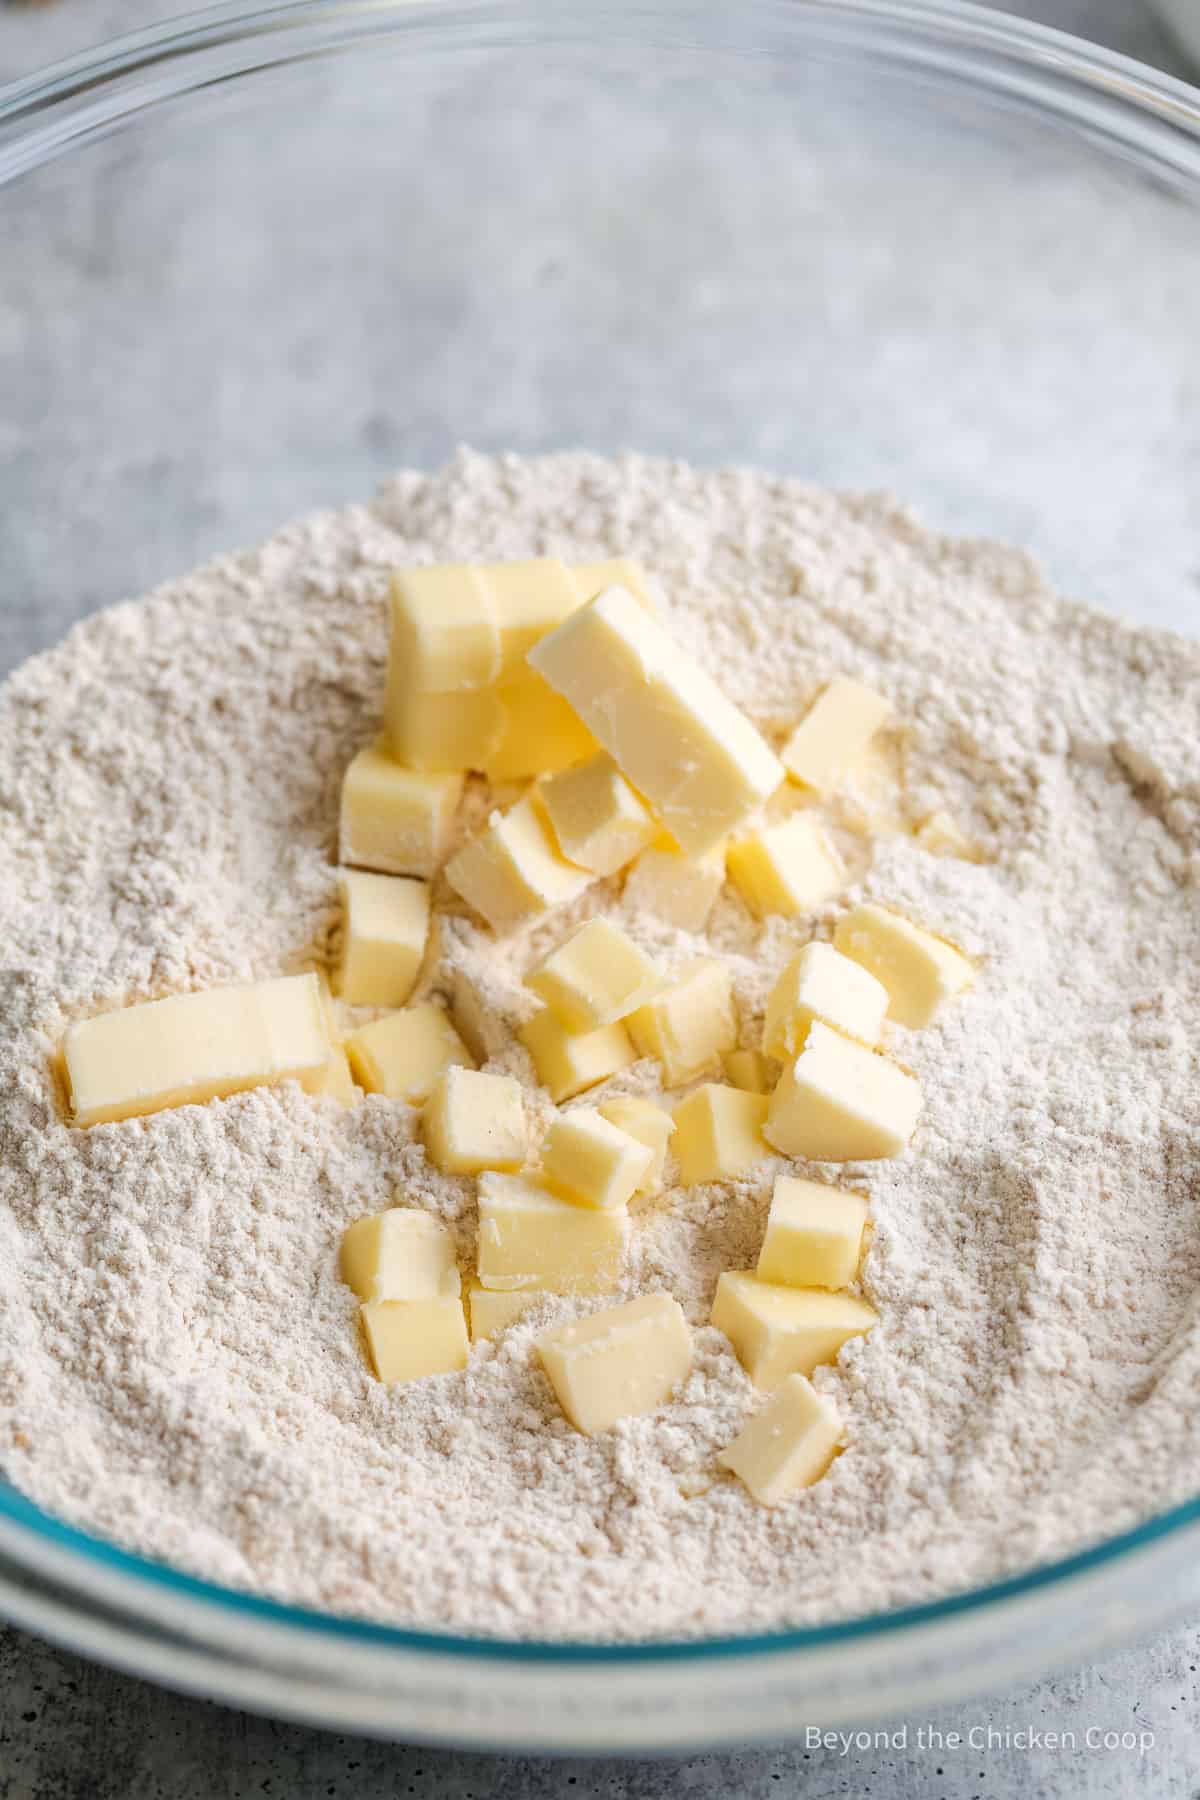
(493, 1310)
(402, 1054)
(840, 1102)
(619, 1363)
(512, 870)
(409, 1339)
(693, 756)
(788, 1445)
(398, 821)
(530, 1239)
(196, 1047)
(919, 970)
(814, 1235)
(596, 977)
(778, 1331)
(834, 733)
(385, 928)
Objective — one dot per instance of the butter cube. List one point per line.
(512, 871)
(402, 1055)
(444, 629)
(338, 1083)
(598, 820)
(538, 730)
(528, 600)
(480, 1021)
(409, 1339)
(697, 760)
(474, 1121)
(441, 732)
(690, 1023)
(619, 571)
(650, 1125)
(529, 1238)
(821, 983)
(719, 1133)
(618, 1363)
(787, 868)
(919, 971)
(834, 733)
(681, 890)
(939, 834)
(599, 975)
(840, 1102)
(750, 1071)
(384, 933)
(814, 1235)
(777, 1331)
(568, 1062)
(400, 1254)
(788, 1445)
(495, 1310)
(592, 1162)
(196, 1047)
(397, 820)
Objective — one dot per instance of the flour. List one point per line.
(179, 1363)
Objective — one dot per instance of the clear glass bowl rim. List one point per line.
(1147, 116)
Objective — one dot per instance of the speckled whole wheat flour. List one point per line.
(179, 1364)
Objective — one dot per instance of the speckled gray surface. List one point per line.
(72, 1731)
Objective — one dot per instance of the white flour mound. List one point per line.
(179, 1364)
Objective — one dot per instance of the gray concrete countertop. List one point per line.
(71, 1729)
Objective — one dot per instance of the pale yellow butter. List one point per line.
(410, 1339)
(538, 733)
(834, 733)
(687, 750)
(396, 820)
(402, 1055)
(569, 1062)
(444, 634)
(385, 927)
(919, 971)
(651, 1126)
(598, 820)
(749, 1070)
(528, 600)
(719, 1133)
(195, 1047)
(814, 1235)
(474, 1121)
(597, 976)
(400, 1254)
(530, 1238)
(619, 571)
(442, 732)
(619, 1363)
(338, 1083)
(788, 1445)
(592, 1162)
(821, 983)
(494, 1310)
(777, 1331)
(840, 1102)
(681, 890)
(690, 1024)
(512, 871)
(788, 868)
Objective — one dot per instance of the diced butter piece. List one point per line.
(777, 1331)
(690, 1023)
(538, 730)
(400, 1254)
(681, 890)
(529, 1238)
(409, 1339)
(618, 1363)
(719, 1133)
(919, 971)
(787, 868)
(834, 733)
(397, 820)
(474, 1121)
(592, 1162)
(402, 1055)
(569, 1062)
(939, 834)
(442, 731)
(483, 1026)
(814, 1235)
(195, 1047)
(598, 820)
(788, 1445)
(749, 1070)
(687, 749)
(494, 1310)
(840, 1102)
(650, 1125)
(338, 1083)
(619, 571)
(385, 927)
(528, 600)
(512, 870)
(599, 975)
(821, 983)
(444, 630)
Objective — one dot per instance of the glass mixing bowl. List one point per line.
(251, 261)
